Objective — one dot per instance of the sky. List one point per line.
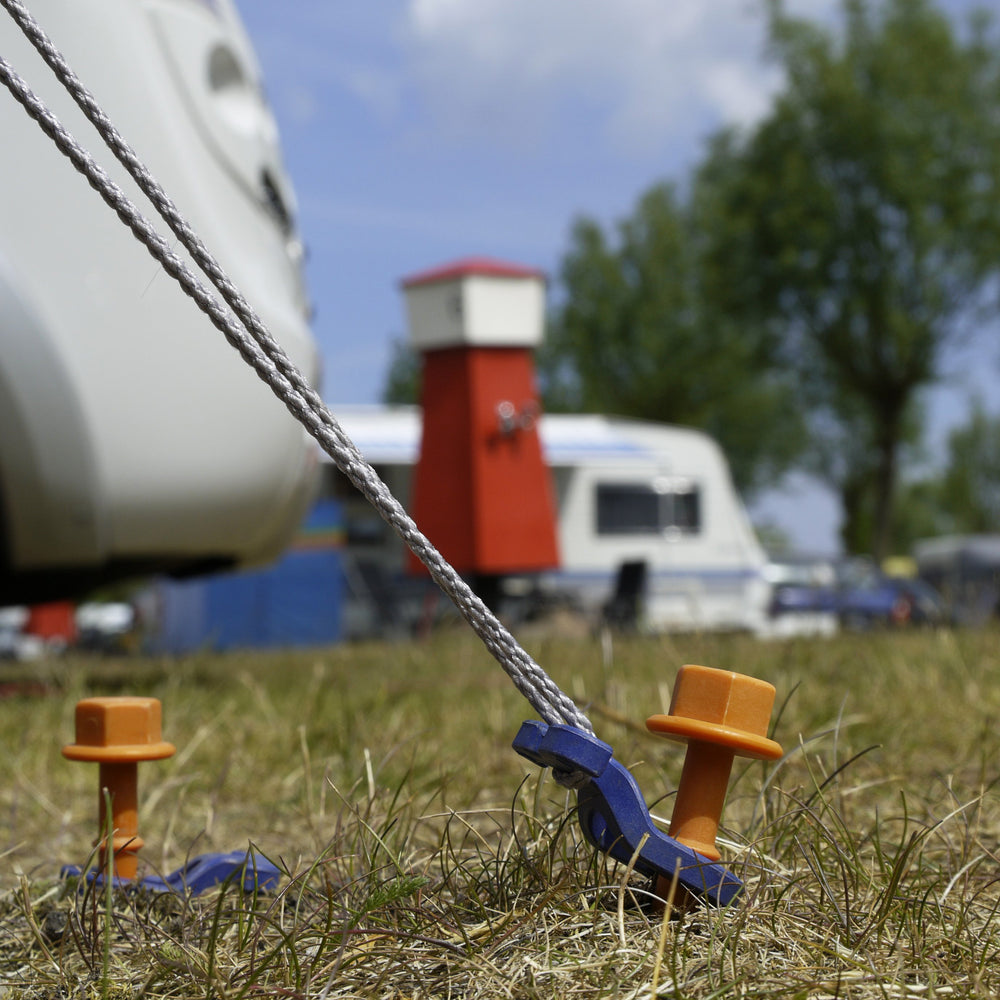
(420, 131)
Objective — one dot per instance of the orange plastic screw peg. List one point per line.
(118, 733)
(720, 715)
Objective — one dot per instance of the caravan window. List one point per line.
(664, 506)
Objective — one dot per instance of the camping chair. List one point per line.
(622, 610)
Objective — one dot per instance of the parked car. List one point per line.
(803, 596)
(894, 601)
(810, 596)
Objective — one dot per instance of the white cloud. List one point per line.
(374, 87)
(740, 93)
(644, 71)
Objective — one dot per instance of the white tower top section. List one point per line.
(476, 302)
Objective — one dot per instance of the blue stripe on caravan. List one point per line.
(598, 576)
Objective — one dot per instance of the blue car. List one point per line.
(891, 601)
(853, 594)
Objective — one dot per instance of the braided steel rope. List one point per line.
(244, 330)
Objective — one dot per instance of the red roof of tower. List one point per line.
(472, 266)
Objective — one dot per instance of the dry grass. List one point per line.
(423, 858)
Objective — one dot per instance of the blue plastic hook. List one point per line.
(251, 870)
(613, 812)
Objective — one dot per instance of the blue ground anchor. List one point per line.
(613, 812)
(252, 871)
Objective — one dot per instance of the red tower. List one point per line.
(482, 491)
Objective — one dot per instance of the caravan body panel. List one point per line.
(133, 435)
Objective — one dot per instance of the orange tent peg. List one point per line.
(117, 733)
(720, 715)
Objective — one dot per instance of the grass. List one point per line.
(423, 858)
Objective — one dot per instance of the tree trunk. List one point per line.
(855, 503)
(885, 488)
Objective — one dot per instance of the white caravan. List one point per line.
(132, 437)
(626, 491)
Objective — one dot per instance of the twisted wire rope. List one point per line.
(244, 331)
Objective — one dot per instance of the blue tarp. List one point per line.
(295, 602)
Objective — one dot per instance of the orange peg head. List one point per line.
(720, 707)
(117, 730)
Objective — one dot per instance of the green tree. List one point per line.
(919, 514)
(969, 488)
(638, 334)
(963, 497)
(862, 222)
(402, 380)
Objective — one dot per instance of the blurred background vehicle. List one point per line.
(811, 596)
(881, 600)
(133, 439)
(803, 596)
(965, 571)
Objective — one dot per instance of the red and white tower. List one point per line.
(482, 491)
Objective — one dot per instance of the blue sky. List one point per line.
(417, 131)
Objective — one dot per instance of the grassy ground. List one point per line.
(423, 858)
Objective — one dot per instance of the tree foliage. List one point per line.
(964, 498)
(970, 484)
(862, 222)
(639, 335)
(402, 380)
